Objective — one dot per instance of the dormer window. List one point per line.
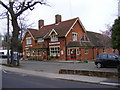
(53, 34)
(74, 36)
(40, 40)
(54, 38)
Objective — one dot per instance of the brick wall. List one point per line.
(24, 44)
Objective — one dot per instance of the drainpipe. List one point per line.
(65, 50)
(93, 52)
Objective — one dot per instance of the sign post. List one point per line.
(15, 58)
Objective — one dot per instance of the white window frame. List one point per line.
(74, 36)
(54, 38)
(86, 50)
(53, 50)
(28, 41)
(104, 50)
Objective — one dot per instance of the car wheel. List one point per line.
(99, 65)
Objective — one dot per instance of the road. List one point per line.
(17, 80)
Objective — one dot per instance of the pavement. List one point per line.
(81, 78)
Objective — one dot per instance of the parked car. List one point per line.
(107, 59)
(3, 53)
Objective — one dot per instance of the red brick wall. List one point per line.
(24, 44)
(62, 47)
(92, 53)
(76, 28)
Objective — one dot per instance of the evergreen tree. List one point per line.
(116, 35)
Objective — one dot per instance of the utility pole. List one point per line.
(8, 41)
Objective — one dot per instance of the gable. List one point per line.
(76, 25)
(28, 34)
(53, 31)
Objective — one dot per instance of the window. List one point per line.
(39, 52)
(55, 50)
(68, 51)
(78, 51)
(104, 56)
(40, 40)
(74, 36)
(86, 50)
(104, 50)
(54, 38)
(112, 56)
(32, 53)
(28, 41)
(27, 52)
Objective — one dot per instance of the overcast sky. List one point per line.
(94, 14)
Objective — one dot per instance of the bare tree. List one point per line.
(15, 9)
(107, 31)
(23, 25)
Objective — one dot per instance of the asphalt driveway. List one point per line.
(54, 67)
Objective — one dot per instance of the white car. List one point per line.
(3, 53)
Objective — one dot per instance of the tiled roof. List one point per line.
(99, 39)
(96, 40)
(80, 44)
(39, 46)
(62, 28)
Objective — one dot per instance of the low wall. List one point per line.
(90, 73)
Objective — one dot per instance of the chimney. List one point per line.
(57, 18)
(40, 24)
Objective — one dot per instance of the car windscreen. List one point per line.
(103, 56)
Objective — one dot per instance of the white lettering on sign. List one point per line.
(54, 43)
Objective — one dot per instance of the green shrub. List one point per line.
(49, 57)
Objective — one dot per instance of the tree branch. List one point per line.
(3, 5)
(28, 6)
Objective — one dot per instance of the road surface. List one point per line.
(18, 80)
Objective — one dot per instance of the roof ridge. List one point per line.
(32, 29)
(60, 22)
(94, 32)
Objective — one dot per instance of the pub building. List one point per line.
(64, 40)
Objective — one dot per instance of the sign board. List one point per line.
(54, 43)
